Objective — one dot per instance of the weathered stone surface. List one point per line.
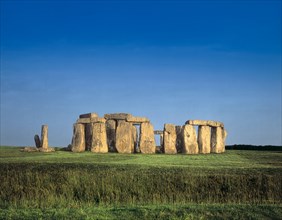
(89, 115)
(124, 138)
(88, 136)
(78, 139)
(217, 143)
(83, 120)
(179, 139)
(37, 141)
(46, 150)
(204, 139)
(170, 139)
(205, 123)
(91, 120)
(99, 138)
(111, 135)
(133, 119)
(224, 133)
(190, 144)
(44, 136)
(147, 138)
(159, 132)
(117, 116)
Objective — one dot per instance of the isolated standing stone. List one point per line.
(44, 136)
(204, 139)
(99, 138)
(124, 138)
(190, 144)
(170, 139)
(37, 141)
(147, 138)
(78, 139)
(111, 135)
(179, 139)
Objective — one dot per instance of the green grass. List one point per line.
(117, 186)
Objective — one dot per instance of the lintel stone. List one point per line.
(133, 119)
(159, 132)
(89, 115)
(205, 123)
(90, 120)
(117, 116)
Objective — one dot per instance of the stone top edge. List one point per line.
(205, 122)
(89, 115)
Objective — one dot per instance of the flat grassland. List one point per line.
(238, 184)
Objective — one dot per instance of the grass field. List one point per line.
(238, 184)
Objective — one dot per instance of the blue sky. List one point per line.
(168, 60)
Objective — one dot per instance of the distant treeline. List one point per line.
(254, 147)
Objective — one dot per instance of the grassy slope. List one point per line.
(251, 168)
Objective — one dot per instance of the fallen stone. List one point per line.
(44, 136)
(99, 138)
(111, 135)
(190, 144)
(147, 139)
(170, 139)
(29, 149)
(205, 123)
(204, 139)
(133, 119)
(46, 150)
(37, 141)
(117, 116)
(89, 115)
(124, 138)
(78, 139)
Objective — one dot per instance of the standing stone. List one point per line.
(224, 134)
(44, 136)
(37, 141)
(78, 139)
(99, 138)
(124, 138)
(190, 144)
(217, 140)
(111, 135)
(147, 138)
(179, 139)
(204, 139)
(170, 139)
(88, 136)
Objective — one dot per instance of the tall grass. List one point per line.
(52, 185)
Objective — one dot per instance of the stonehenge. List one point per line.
(125, 133)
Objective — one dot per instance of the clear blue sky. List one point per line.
(168, 60)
